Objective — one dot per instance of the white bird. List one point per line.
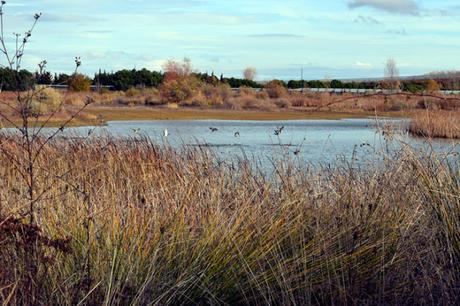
(165, 133)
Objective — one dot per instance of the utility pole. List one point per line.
(98, 86)
(301, 78)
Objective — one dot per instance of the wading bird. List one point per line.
(279, 130)
(165, 133)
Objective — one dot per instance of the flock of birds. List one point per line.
(277, 132)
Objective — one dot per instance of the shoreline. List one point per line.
(146, 114)
(100, 115)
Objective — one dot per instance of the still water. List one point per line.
(310, 141)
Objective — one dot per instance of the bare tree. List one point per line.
(178, 69)
(250, 73)
(391, 74)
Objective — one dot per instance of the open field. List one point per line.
(123, 222)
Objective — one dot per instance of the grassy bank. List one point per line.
(125, 222)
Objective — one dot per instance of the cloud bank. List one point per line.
(392, 6)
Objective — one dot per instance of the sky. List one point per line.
(340, 39)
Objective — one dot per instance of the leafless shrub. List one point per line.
(26, 241)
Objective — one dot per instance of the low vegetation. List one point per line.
(436, 124)
(141, 224)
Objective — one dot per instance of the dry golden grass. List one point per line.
(147, 113)
(147, 225)
(436, 124)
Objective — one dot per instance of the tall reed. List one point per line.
(162, 226)
(436, 124)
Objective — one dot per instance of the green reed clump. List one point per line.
(150, 225)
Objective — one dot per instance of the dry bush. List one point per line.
(132, 92)
(246, 91)
(211, 94)
(154, 101)
(198, 100)
(275, 89)
(432, 86)
(46, 100)
(245, 102)
(305, 99)
(106, 98)
(251, 103)
(180, 89)
(150, 91)
(80, 82)
(282, 103)
(394, 104)
(438, 104)
(436, 124)
(135, 101)
(262, 95)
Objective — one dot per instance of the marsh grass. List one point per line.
(436, 124)
(149, 225)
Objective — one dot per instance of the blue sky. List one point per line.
(329, 38)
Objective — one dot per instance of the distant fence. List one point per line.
(364, 91)
(317, 90)
(93, 87)
(350, 90)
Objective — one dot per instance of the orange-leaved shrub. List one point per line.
(80, 82)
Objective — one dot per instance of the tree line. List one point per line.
(125, 79)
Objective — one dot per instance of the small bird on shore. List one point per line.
(279, 130)
(136, 130)
(237, 134)
(165, 133)
(297, 152)
(213, 129)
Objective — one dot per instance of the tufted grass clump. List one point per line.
(157, 226)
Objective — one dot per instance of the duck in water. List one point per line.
(279, 130)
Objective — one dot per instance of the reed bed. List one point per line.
(436, 124)
(129, 223)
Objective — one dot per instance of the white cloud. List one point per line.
(363, 64)
(393, 6)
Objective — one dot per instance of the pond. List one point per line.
(309, 141)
